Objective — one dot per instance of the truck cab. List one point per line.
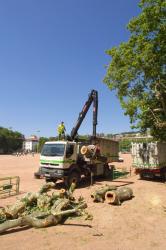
(58, 158)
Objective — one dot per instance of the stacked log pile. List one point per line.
(92, 152)
(42, 209)
(112, 195)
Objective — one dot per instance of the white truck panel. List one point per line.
(150, 155)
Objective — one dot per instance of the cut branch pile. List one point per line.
(112, 195)
(42, 209)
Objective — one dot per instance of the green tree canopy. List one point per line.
(10, 140)
(137, 71)
(42, 140)
(125, 145)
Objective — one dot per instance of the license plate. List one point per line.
(158, 175)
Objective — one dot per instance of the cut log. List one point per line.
(90, 151)
(19, 207)
(117, 196)
(71, 211)
(46, 187)
(59, 205)
(99, 195)
(58, 194)
(29, 220)
(43, 202)
(72, 188)
(11, 224)
(48, 220)
(2, 214)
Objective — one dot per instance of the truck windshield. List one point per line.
(53, 150)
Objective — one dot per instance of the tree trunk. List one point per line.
(99, 195)
(59, 205)
(37, 222)
(11, 224)
(46, 187)
(117, 196)
(20, 205)
(49, 220)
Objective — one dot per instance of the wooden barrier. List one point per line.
(9, 186)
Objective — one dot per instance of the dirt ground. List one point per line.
(139, 223)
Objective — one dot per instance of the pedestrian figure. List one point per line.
(61, 131)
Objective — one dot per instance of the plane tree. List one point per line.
(10, 141)
(137, 70)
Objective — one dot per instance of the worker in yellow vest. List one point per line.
(61, 131)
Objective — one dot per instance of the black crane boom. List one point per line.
(93, 97)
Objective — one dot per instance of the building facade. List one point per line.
(30, 144)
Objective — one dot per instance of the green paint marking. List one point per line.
(56, 161)
(136, 164)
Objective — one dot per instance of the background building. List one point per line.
(31, 144)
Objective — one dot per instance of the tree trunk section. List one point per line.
(117, 196)
(99, 195)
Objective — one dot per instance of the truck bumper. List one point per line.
(149, 173)
(53, 173)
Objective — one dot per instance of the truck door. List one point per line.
(70, 157)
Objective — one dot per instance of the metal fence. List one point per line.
(9, 186)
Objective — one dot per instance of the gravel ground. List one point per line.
(139, 223)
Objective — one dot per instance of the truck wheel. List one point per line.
(142, 177)
(73, 177)
(164, 176)
(36, 176)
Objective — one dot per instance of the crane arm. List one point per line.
(93, 97)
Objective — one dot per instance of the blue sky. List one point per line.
(52, 54)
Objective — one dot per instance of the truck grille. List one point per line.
(47, 170)
(49, 164)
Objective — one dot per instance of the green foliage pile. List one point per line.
(10, 140)
(137, 70)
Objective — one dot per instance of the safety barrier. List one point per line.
(9, 186)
